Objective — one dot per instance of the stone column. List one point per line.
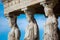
(14, 34)
(32, 30)
(51, 24)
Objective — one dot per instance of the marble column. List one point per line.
(32, 30)
(51, 24)
(14, 33)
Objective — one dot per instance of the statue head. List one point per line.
(48, 11)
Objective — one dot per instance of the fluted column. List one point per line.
(14, 33)
(51, 24)
(32, 30)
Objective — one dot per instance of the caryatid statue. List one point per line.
(32, 30)
(14, 34)
(51, 24)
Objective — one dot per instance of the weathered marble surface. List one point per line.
(32, 30)
(14, 33)
(51, 24)
(50, 29)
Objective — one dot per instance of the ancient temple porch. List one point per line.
(12, 8)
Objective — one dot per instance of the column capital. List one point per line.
(49, 3)
(11, 14)
(25, 8)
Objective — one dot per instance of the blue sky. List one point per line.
(4, 26)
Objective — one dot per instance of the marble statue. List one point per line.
(50, 28)
(32, 30)
(51, 24)
(14, 34)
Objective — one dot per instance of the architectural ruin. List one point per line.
(13, 8)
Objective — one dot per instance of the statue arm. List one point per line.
(17, 34)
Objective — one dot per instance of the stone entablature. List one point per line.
(17, 4)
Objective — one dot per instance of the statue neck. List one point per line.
(51, 16)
